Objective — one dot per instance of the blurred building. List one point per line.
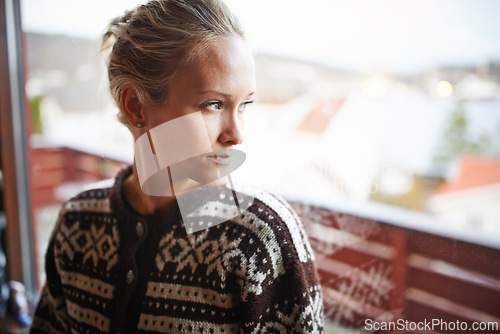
(471, 197)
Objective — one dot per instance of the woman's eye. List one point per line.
(244, 106)
(214, 105)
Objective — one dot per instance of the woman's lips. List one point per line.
(220, 159)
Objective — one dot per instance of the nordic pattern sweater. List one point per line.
(110, 269)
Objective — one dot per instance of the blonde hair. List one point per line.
(153, 42)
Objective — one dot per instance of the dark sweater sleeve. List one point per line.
(289, 298)
(51, 315)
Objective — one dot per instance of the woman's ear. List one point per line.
(131, 107)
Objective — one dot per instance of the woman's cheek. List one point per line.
(212, 125)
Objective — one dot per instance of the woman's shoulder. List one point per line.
(273, 220)
(91, 198)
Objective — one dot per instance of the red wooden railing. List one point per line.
(51, 167)
(370, 269)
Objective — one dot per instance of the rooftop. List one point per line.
(472, 172)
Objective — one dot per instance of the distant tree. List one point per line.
(457, 140)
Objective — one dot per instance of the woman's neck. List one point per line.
(141, 202)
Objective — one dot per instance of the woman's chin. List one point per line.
(197, 181)
(210, 177)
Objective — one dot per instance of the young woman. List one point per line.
(121, 258)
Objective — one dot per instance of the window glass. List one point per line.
(378, 121)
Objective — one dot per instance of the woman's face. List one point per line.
(219, 83)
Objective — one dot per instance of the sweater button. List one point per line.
(139, 229)
(129, 278)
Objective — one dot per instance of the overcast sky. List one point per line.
(365, 35)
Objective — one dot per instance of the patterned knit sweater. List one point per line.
(110, 269)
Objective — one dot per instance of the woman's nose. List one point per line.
(231, 128)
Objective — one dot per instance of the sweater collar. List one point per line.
(125, 212)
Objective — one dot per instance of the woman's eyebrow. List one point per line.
(218, 92)
(212, 91)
